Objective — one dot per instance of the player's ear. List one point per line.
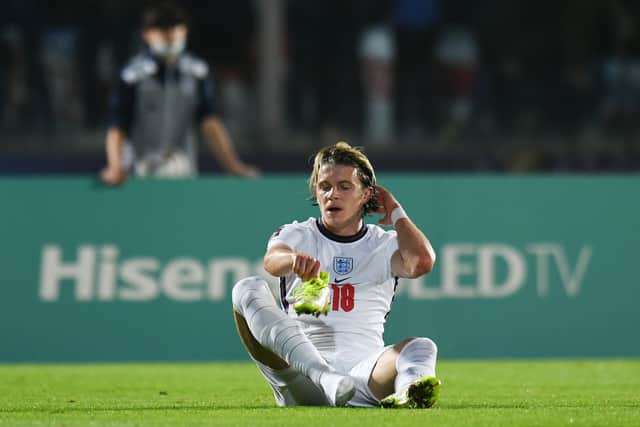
(368, 194)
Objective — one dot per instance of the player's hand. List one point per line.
(387, 204)
(305, 266)
(113, 176)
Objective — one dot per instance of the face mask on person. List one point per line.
(168, 50)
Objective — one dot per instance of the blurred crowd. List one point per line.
(384, 73)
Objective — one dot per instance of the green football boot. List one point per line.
(312, 297)
(423, 393)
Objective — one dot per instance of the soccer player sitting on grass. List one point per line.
(338, 275)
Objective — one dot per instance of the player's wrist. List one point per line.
(293, 261)
(397, 214)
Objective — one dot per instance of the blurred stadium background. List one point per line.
(424, 85)
(454, 100)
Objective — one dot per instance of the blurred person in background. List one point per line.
(22, 99)
(377, 54)
(620, 64)
(324, 62)
(417, 92)
(163, 91)
(457, 53)
(14, 92)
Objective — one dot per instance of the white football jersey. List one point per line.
(362, 288)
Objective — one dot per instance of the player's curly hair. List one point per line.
(344, 154)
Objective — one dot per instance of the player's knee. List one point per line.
(428, 345)
(402, 344)
(432, 344)
(242, 288)
(421, 344)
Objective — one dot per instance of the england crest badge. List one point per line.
(342, 265)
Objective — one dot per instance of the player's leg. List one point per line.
(405, 374)
(277, 341)
(293, 388)
(383, 376)
(257, 351)
(290, 387)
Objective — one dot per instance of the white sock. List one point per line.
(275, 330)
(416, 360)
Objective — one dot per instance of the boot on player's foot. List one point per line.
(422, 393)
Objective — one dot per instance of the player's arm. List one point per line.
(415, 255)
(220, 144)
(281, 260)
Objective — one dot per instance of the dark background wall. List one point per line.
(495, 85)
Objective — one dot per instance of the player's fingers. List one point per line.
(380, 209)
(308, 269)
(383, 193)
(295, 265)
(315, 269)
(305, 266)
(300, 265)
(380, 189)
(386, 219)
(386, 199)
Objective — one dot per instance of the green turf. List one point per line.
(491, 393)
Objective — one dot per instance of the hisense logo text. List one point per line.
(463, 270)
(97, 273)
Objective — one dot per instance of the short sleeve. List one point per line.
(391, 243)
(292, 235)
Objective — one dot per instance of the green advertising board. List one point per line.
(529, 266)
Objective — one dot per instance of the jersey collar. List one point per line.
(341, 239)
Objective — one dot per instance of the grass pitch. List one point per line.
(491, 393)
